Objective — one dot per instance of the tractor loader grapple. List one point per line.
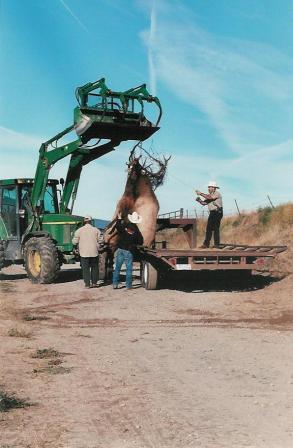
(114, 125)
(106, 114)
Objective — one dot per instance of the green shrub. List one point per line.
(265, 215)
(11, 402)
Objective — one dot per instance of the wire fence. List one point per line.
(203, 213)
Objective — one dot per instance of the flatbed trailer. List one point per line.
(158, 260)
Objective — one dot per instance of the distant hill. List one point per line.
(100, 223)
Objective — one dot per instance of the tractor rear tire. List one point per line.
(41, 260)
(2, 254)
(149, 276)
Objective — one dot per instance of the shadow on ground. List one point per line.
(10, 277)
(69, 275)
(65, 276)
(181, 281)
(216, 281)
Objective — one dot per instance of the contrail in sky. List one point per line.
(152, 70)
(74, 16)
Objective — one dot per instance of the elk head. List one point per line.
(148, 165)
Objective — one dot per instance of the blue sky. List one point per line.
(223, 71)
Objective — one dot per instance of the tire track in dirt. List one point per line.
(281, 322)
(148, 378)
(115, 410)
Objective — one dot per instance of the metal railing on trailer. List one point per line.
(226, 257)
(180, 213)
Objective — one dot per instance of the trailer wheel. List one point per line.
(2, 254)
(41, 260)
(149, 276)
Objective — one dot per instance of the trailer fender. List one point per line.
(149, 276)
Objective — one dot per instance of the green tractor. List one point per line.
(36, 220)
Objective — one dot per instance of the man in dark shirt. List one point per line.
(129, 238)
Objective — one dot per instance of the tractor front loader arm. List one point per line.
(80, 156)
(46, 160)
(77, 161)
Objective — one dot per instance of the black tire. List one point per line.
(41, 260)
(149, 276)
(2, 254)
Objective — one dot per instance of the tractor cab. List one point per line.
(15, 209)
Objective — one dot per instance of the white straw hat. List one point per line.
(212, 183)
(87, 218)
(135, 218)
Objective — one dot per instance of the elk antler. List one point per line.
(132, 152)
(156, 177)
(148, 165)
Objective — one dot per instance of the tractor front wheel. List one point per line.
(2, 254)
(41, 260)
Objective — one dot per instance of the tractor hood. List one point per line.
(61, 219)
(62, 227)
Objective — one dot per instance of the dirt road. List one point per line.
(210, 366)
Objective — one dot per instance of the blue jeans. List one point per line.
(123, 256)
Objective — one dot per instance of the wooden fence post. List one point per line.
(237, 207)
(270, 201)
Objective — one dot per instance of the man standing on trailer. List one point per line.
(87, 239)
(215, 205)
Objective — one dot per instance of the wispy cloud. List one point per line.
(244, 91)
(74, 15)
(11, 139)
(122, 9)
(19, 157)
(19, 153)
(247, 178)
(152, 34)
(238, 85)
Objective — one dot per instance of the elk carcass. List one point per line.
(144, 175)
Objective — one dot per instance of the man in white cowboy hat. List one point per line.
(129, 238)
(215, 205)
(87, 238)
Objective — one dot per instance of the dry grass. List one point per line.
(268, 226)
(174, 237)
(46, 353)
(19, 333)
(30, 317)
(53, 366)
(53, 370)
(8, 402)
